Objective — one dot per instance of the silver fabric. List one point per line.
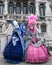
(38, 44)
(31, 35)
(27, 44)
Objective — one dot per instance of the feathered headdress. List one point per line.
(32, 19)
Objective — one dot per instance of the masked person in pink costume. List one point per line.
(36, 51)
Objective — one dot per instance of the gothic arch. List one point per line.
(11, 8)
(43, 27)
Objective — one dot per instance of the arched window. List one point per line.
(11, 8)
(43, 27)
(1, 8)
(25, 8)
(32, 8)
(18, 8)
(42, 9)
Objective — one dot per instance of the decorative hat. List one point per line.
(32, 19)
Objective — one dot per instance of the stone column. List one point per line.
(3, 28)
(5, 7)
(48, 29)
(37, 7)
(3, 41)
(48, 9)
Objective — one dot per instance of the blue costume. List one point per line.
(24, 32)
(14, 50)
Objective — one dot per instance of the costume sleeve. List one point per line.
(28, 39)
(37, 30)
(28, 36)
(27, 44)
(37, 35)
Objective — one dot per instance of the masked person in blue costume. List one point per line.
(24, 32)
(14, 50)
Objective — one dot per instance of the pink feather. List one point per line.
(32, 19)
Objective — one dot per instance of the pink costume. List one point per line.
(36, 51)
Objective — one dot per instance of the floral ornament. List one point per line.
(14, 40)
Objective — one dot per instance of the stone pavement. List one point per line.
(2, 62)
